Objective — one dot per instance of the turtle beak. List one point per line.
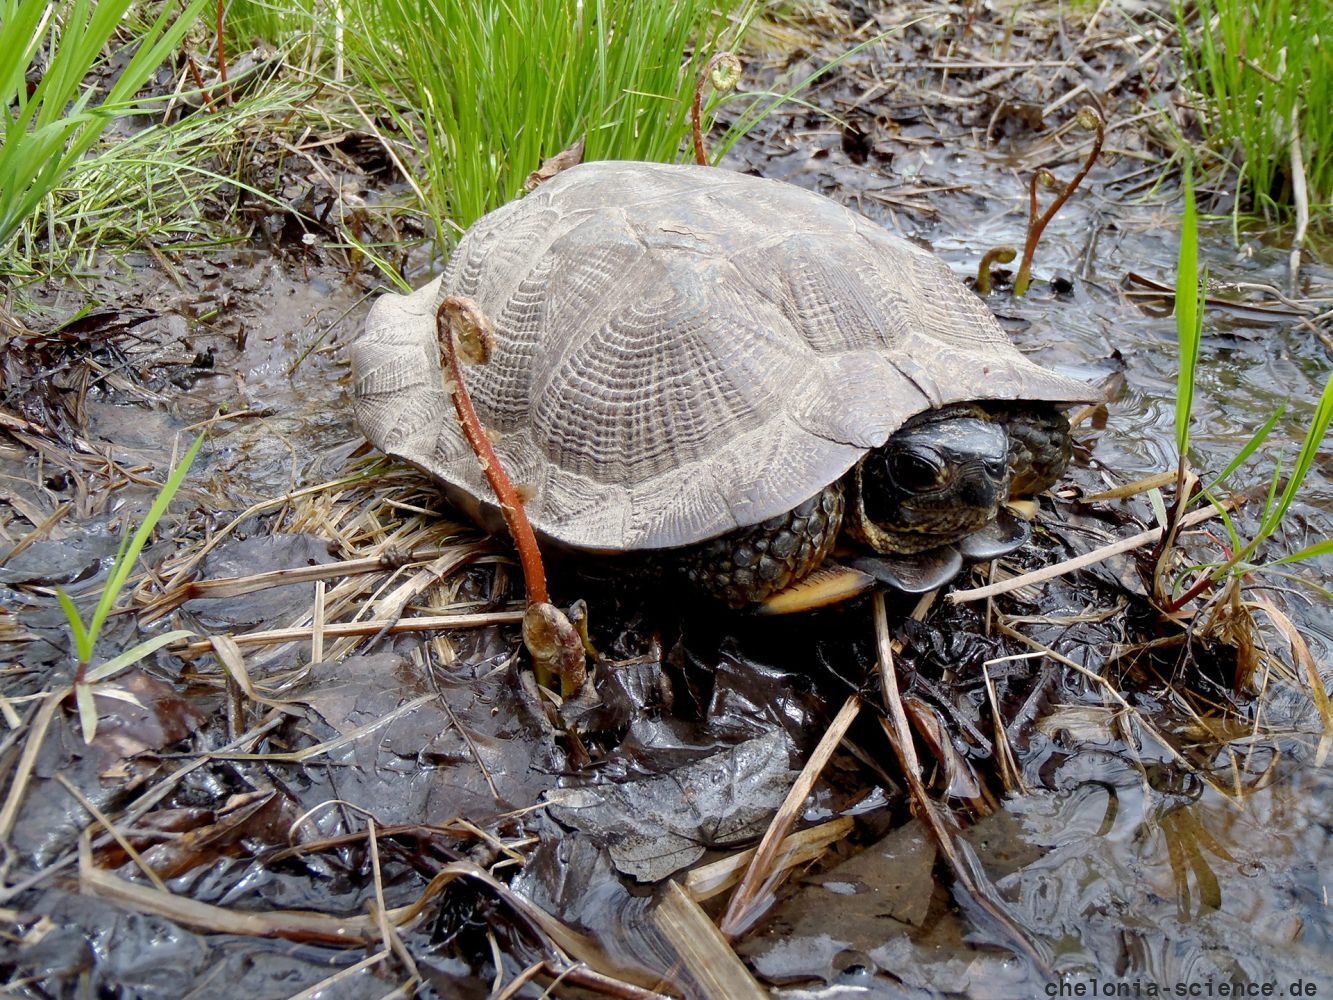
(982, 485)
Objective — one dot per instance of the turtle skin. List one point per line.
(1040, 445)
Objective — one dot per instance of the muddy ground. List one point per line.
(1131, 807)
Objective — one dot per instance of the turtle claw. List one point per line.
(998, 538)
(916, 573)
(829, 584)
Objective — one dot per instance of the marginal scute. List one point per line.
(681, 351)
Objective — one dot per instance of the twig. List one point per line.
(181, 568)
(237, 586)
(1089, 558)
(1123, 706)
(36, 734)
(1088, 118)
(295, 925)
(341, 630)
(1300, 651)
(136, 809)
(703, 951)
(325, 986)
(940, 825)
(553, 935)
(1301, 197)
(111, 828)
(708, 880)
(746, 902)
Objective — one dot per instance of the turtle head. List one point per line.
(939, 478)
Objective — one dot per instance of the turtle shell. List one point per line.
(680, 351)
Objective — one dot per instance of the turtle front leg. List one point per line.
(747, 565)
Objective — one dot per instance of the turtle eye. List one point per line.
(918, 471)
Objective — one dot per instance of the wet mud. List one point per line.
(1143, 804)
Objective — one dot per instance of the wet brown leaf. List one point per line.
(161, 717)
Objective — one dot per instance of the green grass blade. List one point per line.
(1314, 437)
(1259, 65)
(486, 91)
(20, 23)
(83, 648)
(134, 654)
(1251, 446)
(1189, 319)
(124, 563)
(1323, 548)
(49, 131)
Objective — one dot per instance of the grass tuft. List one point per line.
(1262, 65)
(484, 91)
(49, 128)
(86, 633)
(165, 185)
(1240, 552)
(275, 22)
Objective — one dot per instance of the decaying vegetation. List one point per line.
(321, 731)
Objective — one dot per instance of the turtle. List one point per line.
(720, 371)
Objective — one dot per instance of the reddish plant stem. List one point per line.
(697, 109)
(1200, 585)
(511, 505)
(199, 81)
(1204, 579)
(222, 58)
(1041, 175)
(1036, 226)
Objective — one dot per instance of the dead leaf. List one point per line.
(553, 165)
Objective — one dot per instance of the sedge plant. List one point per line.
(273, 22)
(483, 91)
(1241, 553)
(1225, 608)
(86, 633)
(173, 185)
(1264, 71)
(50, 124)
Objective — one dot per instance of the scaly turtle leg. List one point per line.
(747, 565)
(1040, 445)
